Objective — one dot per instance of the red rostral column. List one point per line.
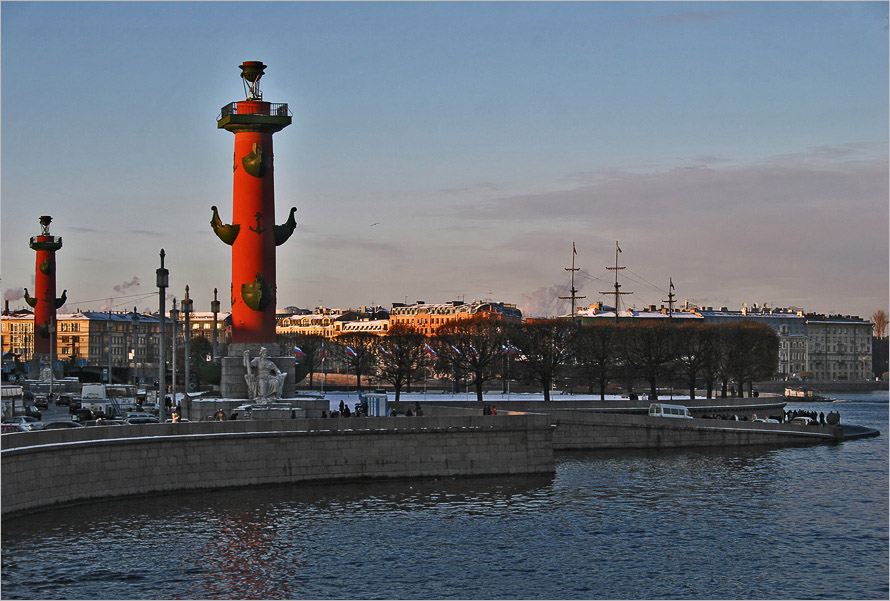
(45, 302)
(253, 234)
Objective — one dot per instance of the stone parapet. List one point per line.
(577, 430)
(96, 463)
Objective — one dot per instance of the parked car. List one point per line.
(141, 420)
(82, 415)
(10, 428)
(32, 412)
(24, 420)
(61, 425)
(138, 414)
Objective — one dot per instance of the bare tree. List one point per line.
(545, 348)
(357, 350)
(595, 350)
(476, 347)
(310, 361)
(879, 318)
(400, 352)
(694, 346)
(648, 348)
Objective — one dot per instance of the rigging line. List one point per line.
(131, 298)
(102, 300)
(590, 278)
(636, 281)
(662, 290)
(647, 284)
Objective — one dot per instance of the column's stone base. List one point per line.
(232, 383)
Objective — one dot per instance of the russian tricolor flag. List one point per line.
(430, 351)
(351, 352)
(298, 352)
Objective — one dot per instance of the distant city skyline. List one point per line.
(448, 151)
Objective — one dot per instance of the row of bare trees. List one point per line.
(547, 352)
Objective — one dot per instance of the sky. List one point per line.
(457, 151)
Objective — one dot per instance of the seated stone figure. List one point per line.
(265, 382)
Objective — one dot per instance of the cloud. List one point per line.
(795, 231)
(693, 193)
(151, 233)
(133, 283)
(545, 301)
(687, 17)
(473, 189)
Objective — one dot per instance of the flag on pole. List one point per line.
(322, 352)
(511, 350)
(456, 350)
(574, 252)
(351, 352)
(429, 350)
(298, 352)
(473, 350)
(672, 283)
(384, 351)
(616, 246)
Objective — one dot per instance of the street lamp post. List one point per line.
(135, 321)
(52, 354)
(109, 346)
(163, 280)
(214, 308)
(174, 316)
(187, 311)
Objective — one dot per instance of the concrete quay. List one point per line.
(589, 429)
(45, 468)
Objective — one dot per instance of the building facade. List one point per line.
(428, 318)
(122, 340)
(811, 345)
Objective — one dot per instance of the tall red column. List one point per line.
(44, 300)
(253, 234)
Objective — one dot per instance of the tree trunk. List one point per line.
(478, 384)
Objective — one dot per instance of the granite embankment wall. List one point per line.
(577, 430)
(40, 469)
(586, 429)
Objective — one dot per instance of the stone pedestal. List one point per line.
(234, 386)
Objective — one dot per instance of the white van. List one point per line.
(663, 410)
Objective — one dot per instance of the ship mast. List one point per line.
(573, 269)
(617, 293)
(670, 299)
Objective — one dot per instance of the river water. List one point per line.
(741, 523)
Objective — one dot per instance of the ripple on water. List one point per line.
(739, 523)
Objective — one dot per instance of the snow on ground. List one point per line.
(351, 397)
